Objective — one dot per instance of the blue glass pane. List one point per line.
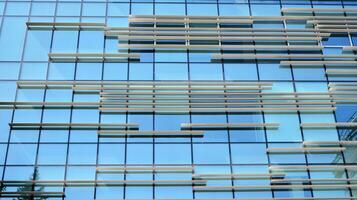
(12, 38)
(70, 46)
(111, 154)
(76, 155)
(43, 9)
(17, 8)
(68, 9)
(337, 40)
(270, 71)
(37, 45)
(249, 153)
(9, 71)
(206, 72)
(140, 71)
(170, 9)
(265, 10)
(118, 9)
(211, 154)
(52, 154)
(93, 9)
(33, 71)
(239, 71)
(5, 115)
(139, 154)
(202, 9)
(89, 71)
(234, 9)
(21, 154)
(142, 9)
(172, 154)
(171, 72)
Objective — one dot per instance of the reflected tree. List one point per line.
(2, 188)
(31, 187)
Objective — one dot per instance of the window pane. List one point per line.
(140, 71)
(249, 153)
(111, 154)
(9, 71)
(139, 154)
(172, 154)
(170, 9)
(93, 9)
(76, 155)
(239, 71)
(89, 71)
(141, 9)
(21, 154)
(118, 9)
(68, 9)
(43, 9)
(202, 9)
(234, 9)
(37, 45)
(12, 38)
(91, 42)
(171, 72)
(34, 71)
(52, 154)
(211, 154)
(115, 71)
(70, 46)
(206, 72)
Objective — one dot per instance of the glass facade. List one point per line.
(178, 99)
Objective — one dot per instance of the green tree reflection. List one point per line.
(31, 187)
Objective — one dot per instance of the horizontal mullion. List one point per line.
(105, 98)
(107, 104)
(210, 33)
(272, 187)
(336, 30)
(313, 180)
(187, 20)
(220, 38)
(31, 194)
(86, 57)
(280, 56)
(213, 103)
(215, 110)
(309, 10)
(297, 168)
(114, 126)
(103, 133)
(347, 72)
(340, 21)
(220, 29)
(72, 183)
(236, 176)
(65, 25)
(236, 47)
(330, 143)
(153, 84)
(318, 150)
(319, 63)
(228, 93)
(282, 198)
(254, 18)
(190, 88)
(329, 125)
(153, 169)
(228, 125)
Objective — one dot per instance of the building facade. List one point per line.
(178, 99)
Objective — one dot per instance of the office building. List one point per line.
(178, 99)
